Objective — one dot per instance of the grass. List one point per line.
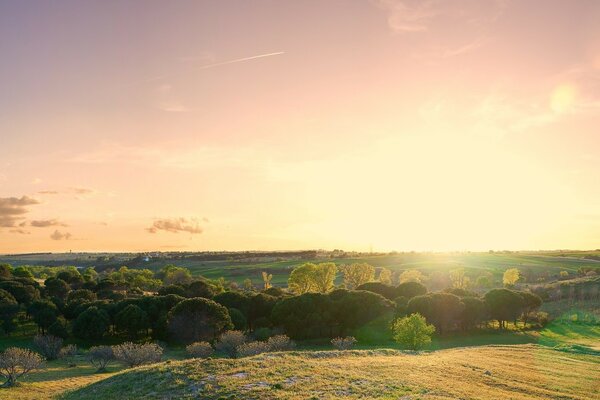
(520, 371)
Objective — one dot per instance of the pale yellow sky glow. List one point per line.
(391, 125)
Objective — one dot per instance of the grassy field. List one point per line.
(489, 372)
(238, 270)
(562, 341)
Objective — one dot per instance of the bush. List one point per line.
(280, 343)
(345, 343)
(49, 346)
(262, 333)
(133, 354)
(68, 354)
(229, 342)
(413, 331)
(100, 357)
(199, 350)
(16, 362)
(252, 349)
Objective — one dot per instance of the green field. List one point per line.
(251, 267)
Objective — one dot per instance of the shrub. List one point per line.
(16, 362)
(199, 350)
(100, 357)
(229, 342)
(68, 354)
(252, 349)
(133, 354)
(345, 343)
(262, 333)
(49, 346)
(280, 343)
(413, 331)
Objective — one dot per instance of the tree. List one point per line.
(459, 279)
(300, 280)
(8, 311)
(441, 309)
(198, 319)
(503, 305)
(24, 294)
(201, 288)
(531, 302)
(356, 274)
(22, 272)
(57, 288)
(473, 312)
(266, 277)
(323, 276)
(385, 276)
(44, 313)
(413, 331)
(410, 289)
(81, 295)
(16, 362)
(248, 286)
(387, 291)
(412, 275)
(131, 320)
(511, 277)
(92, 323)
(5, 271)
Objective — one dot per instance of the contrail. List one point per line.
(237, 60)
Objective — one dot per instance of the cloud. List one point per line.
(13, 209)
(57, 235)
(176, 225)
(80, 190)
(406, 16)
(20, 231)
(46, 223)
(36, 181)
(48, 192)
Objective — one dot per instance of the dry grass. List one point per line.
(488, 372)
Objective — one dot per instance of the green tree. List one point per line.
(385, 276)
(300, 280)
(413, 331)
(323, 277)
(356, 274)
(503, 305)
(44, 313)
(93, 323)
(131, 320)
(511, 277)
(8, 311)
(267, 278)
(412, 275)
(459, 279)
(23, 272)
(198, 319)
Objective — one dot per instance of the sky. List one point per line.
(269, 125)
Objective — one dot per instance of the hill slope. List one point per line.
(489, 372)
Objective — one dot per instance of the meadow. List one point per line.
(560, 360)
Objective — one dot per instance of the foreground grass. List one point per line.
(488, 372)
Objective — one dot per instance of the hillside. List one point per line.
(507, 372)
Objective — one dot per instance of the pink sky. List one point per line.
(210, 125)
